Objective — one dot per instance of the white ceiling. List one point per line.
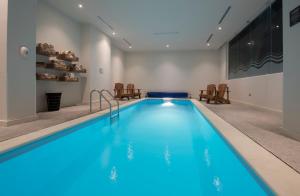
(138, 20)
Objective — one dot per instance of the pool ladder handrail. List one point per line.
(107, 100)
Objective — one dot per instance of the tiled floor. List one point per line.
(48, 119)
(262, 126)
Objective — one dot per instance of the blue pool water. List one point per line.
(157, 148)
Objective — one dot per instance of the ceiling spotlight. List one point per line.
(80, 5)
(114, 33)
(168, 45)
(208, 44)
(130, 47)
(220, 28)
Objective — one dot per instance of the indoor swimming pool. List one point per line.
(156, 147)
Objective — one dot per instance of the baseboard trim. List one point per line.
(7, 123)
(257, 106)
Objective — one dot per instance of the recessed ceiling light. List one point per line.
(130, 47)
(220, 28)
(168, 45)
(80, 5)
(208, 44)
(114, 33)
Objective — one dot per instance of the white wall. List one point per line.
(93, 47)
(224, 63)
(3, 59)
(291, 69)
(56, 28)
(117, 65)
(172, 71)
(18, 71)
(96, 55)
(264, 91)
(64, 33)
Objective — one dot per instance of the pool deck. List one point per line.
(24, 139)
(48, 119)
(282, 178)
(264, 127)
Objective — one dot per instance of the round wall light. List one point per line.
(24, 51)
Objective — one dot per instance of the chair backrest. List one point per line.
(119, 89)
(130, 88)
(222, 88)
(211, 89)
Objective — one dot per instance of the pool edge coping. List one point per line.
(280, 177)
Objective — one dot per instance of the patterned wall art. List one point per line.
(258, 48)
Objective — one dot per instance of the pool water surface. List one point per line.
(156, 147)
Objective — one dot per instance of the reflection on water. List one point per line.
(167, 104)
(113, 174)
(105, 156)
(167, 156)
(206, 157)
(117, 139)
(130, 152)
(217, 183)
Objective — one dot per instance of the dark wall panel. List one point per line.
(257, 49)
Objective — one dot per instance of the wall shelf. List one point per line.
(69, 80)
(46, 66)
(44, 55)
(58, 80)
(60, 67)
(46, 79)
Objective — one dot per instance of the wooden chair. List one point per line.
(133, 92)
(220, 95)
(210, 93)
(120, 91)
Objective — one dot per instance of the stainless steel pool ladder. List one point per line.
(107, 100)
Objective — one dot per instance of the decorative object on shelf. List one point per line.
(69, 77)
(45, 49)
(59, 65)
(68, 56)
(78, 68)
(65, 65)
(46, 76)
(41, 64)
